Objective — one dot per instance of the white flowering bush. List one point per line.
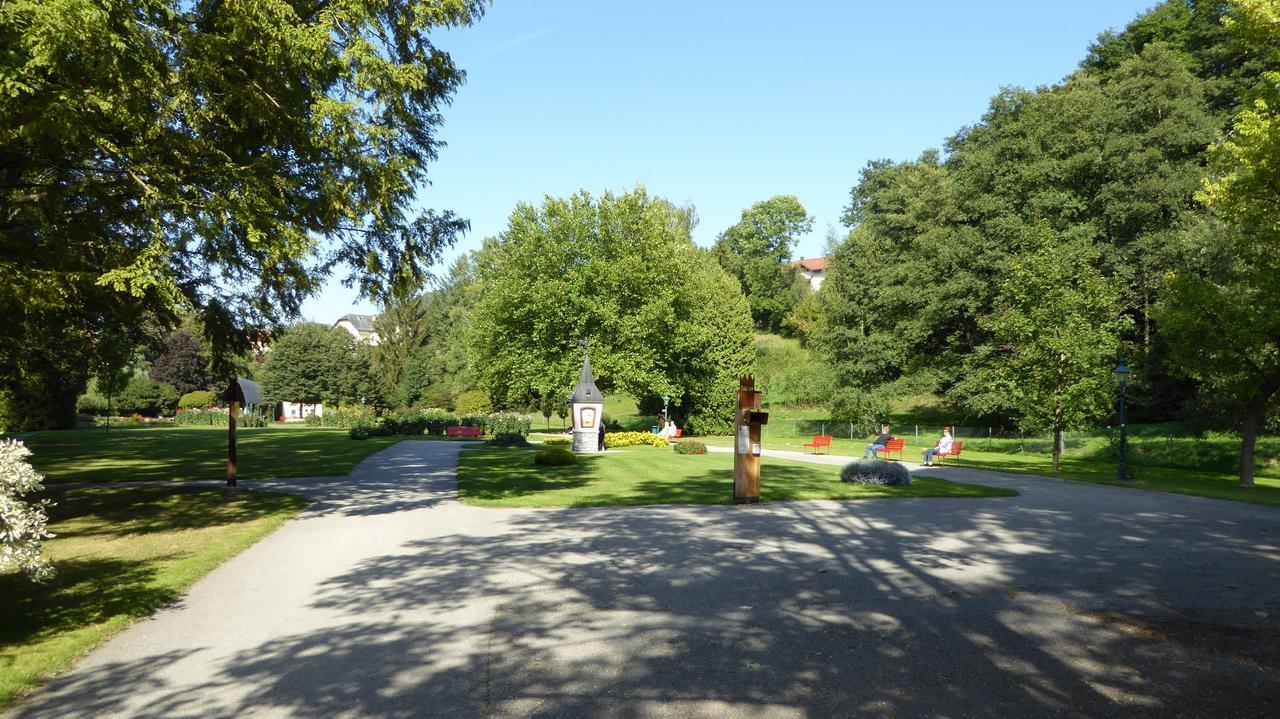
(22, 524)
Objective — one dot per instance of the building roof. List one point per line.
(814, 264)
(362, 323)
(586, 391)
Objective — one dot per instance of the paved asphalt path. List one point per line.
(388, 598)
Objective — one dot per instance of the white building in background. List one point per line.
(297, 411)
(814, 269)
(360, 327)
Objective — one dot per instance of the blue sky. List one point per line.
(722, 104)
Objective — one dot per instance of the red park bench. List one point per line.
(463, 431)
(820, 441)
(894, 445)
(954, 453)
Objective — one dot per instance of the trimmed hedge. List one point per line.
(555, 457)
(216, 418)
(199, 399)
(560, 441)
(689, 446)
(613, 440)
(875, 471)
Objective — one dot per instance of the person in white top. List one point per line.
(942, 447)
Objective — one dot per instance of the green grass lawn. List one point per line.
(1222, 485)
(161, 453)
(507, 477)
(119, 553)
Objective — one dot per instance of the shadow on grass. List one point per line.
(81, 593)
(121, 511)
(189, 453)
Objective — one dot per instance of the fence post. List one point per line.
(851, 430)
(917, 431)
(988, 433)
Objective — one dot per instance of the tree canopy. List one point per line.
(620, 271)
(756, 250)
(160, 156)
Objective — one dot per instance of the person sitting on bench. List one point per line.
(878, 444)
(942, 447)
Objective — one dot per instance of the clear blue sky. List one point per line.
(722, 104)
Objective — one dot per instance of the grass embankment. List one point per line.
(507, 477)
(1027, 457)
(186, 453)
(119, 553)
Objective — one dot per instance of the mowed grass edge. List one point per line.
(507, 477)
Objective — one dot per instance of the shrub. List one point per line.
(689, 446)
(474, 401)
(357, 433)
(707, 424)
(509, 439)
(313, 420)
(24, 523)
(875, 471)
(92, 403)
(555, 457)
(143, 396)
(507, 423)
(198, 399)
(559, 441)
(613, 440)
(204, 417)
(346, 417)
(217, 418)
(407, 422)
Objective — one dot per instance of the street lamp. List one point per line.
(665, 401)
(1122, 381)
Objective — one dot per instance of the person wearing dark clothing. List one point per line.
(878, 444)
(602, 436)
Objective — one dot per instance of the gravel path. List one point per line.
(388, 598)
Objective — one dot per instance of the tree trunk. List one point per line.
(1057, 448)
(1254, 413)
(1248, 438)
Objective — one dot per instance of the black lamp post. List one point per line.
(1122, 380)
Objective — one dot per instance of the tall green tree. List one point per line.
(1056, 336)
(159, 156)
(181, 364)
(311, 364)
(620, 271)
(1223, 307)
(756, 250)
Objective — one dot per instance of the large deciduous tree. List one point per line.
(310, 363)
(159, 156)
(1056, 335)
(620, 271)
(756, 249)
(181, 364)
(1223, 306)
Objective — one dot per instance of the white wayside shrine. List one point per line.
(587, 405)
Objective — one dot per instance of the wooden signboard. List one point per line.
(747, 420)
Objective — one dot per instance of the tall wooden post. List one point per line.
(746, 443)
(231, 443)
